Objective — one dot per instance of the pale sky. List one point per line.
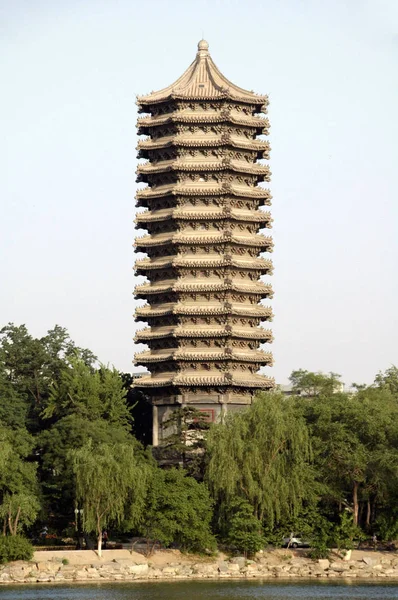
(70, 70)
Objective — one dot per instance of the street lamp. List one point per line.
(79, 512)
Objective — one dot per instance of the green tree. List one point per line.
(85, 404)
(244, 530)
(314, 384)
(354, 439)
(89, 393)
(33, 365)
(19, 491)
(262, 455)
(178, 510)
(388, 380)
(111, 482)
(185, 439)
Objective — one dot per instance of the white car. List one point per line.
(295, 542)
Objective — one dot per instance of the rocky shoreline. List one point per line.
(269, 565)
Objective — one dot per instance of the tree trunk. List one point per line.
(355, 502)
(368, 513)
(100, 543)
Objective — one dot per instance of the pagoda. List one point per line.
(203, 247)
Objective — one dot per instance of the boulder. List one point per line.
(238, 560)
(338, 567)
(223, 567)
(81, 574)
(323, 563)
(167, 570)
(139, 569)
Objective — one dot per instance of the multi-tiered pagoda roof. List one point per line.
(203, 247)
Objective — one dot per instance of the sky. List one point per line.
(70, 71)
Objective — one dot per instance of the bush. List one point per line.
(15, 547)
(244, 529)
(320, 550)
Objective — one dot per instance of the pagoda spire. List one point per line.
(203, 215)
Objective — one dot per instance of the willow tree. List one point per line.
(111, 484)
(262, 455)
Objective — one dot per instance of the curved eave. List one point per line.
(260, 264)
(145, 290)
(255, 126)
(250, 193)
(203, 119)
(257, 334)
(257, 357)
(158, 216)
(262, 242)
(227, 380)
(223, 140)
(148, 169)
(149, 312)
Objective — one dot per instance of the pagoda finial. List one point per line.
(203, 45)
(203, 48)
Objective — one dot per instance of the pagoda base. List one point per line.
(214, 406)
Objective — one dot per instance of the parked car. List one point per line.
(295, 541)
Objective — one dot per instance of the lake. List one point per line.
(204, 590)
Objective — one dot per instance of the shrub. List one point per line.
(15, 547)
(320, 550)
(244, 529)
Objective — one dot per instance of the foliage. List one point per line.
(314, 384)
(319, 463)
(15, 548)
(386, 526)
(90, 394)
(185, 439)
(140, 409)
(178, 510)
(354, 439)
(244, 529)
(346, 532)
(19, 493)
(111, 482)
(85, 404)
(32, 365)
(388, 380)
(263, 456)
(319, 549)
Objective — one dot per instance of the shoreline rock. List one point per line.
(269, 565)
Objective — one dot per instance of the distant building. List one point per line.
(203, 247)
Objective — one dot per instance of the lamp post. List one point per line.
(78, 524)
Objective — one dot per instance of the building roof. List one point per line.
(203, 81)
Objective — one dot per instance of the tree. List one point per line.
(244, 530)
(178, 510)
(110, 483)
(89, 393)
(33, 365)
(85, 404)
(185, 439)
(314, 384)
(140, 409)
(388, 380)
(355, 442)
(262, 455)
(19, 493)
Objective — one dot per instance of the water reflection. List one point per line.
(204, 590)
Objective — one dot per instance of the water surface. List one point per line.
(204, 590)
